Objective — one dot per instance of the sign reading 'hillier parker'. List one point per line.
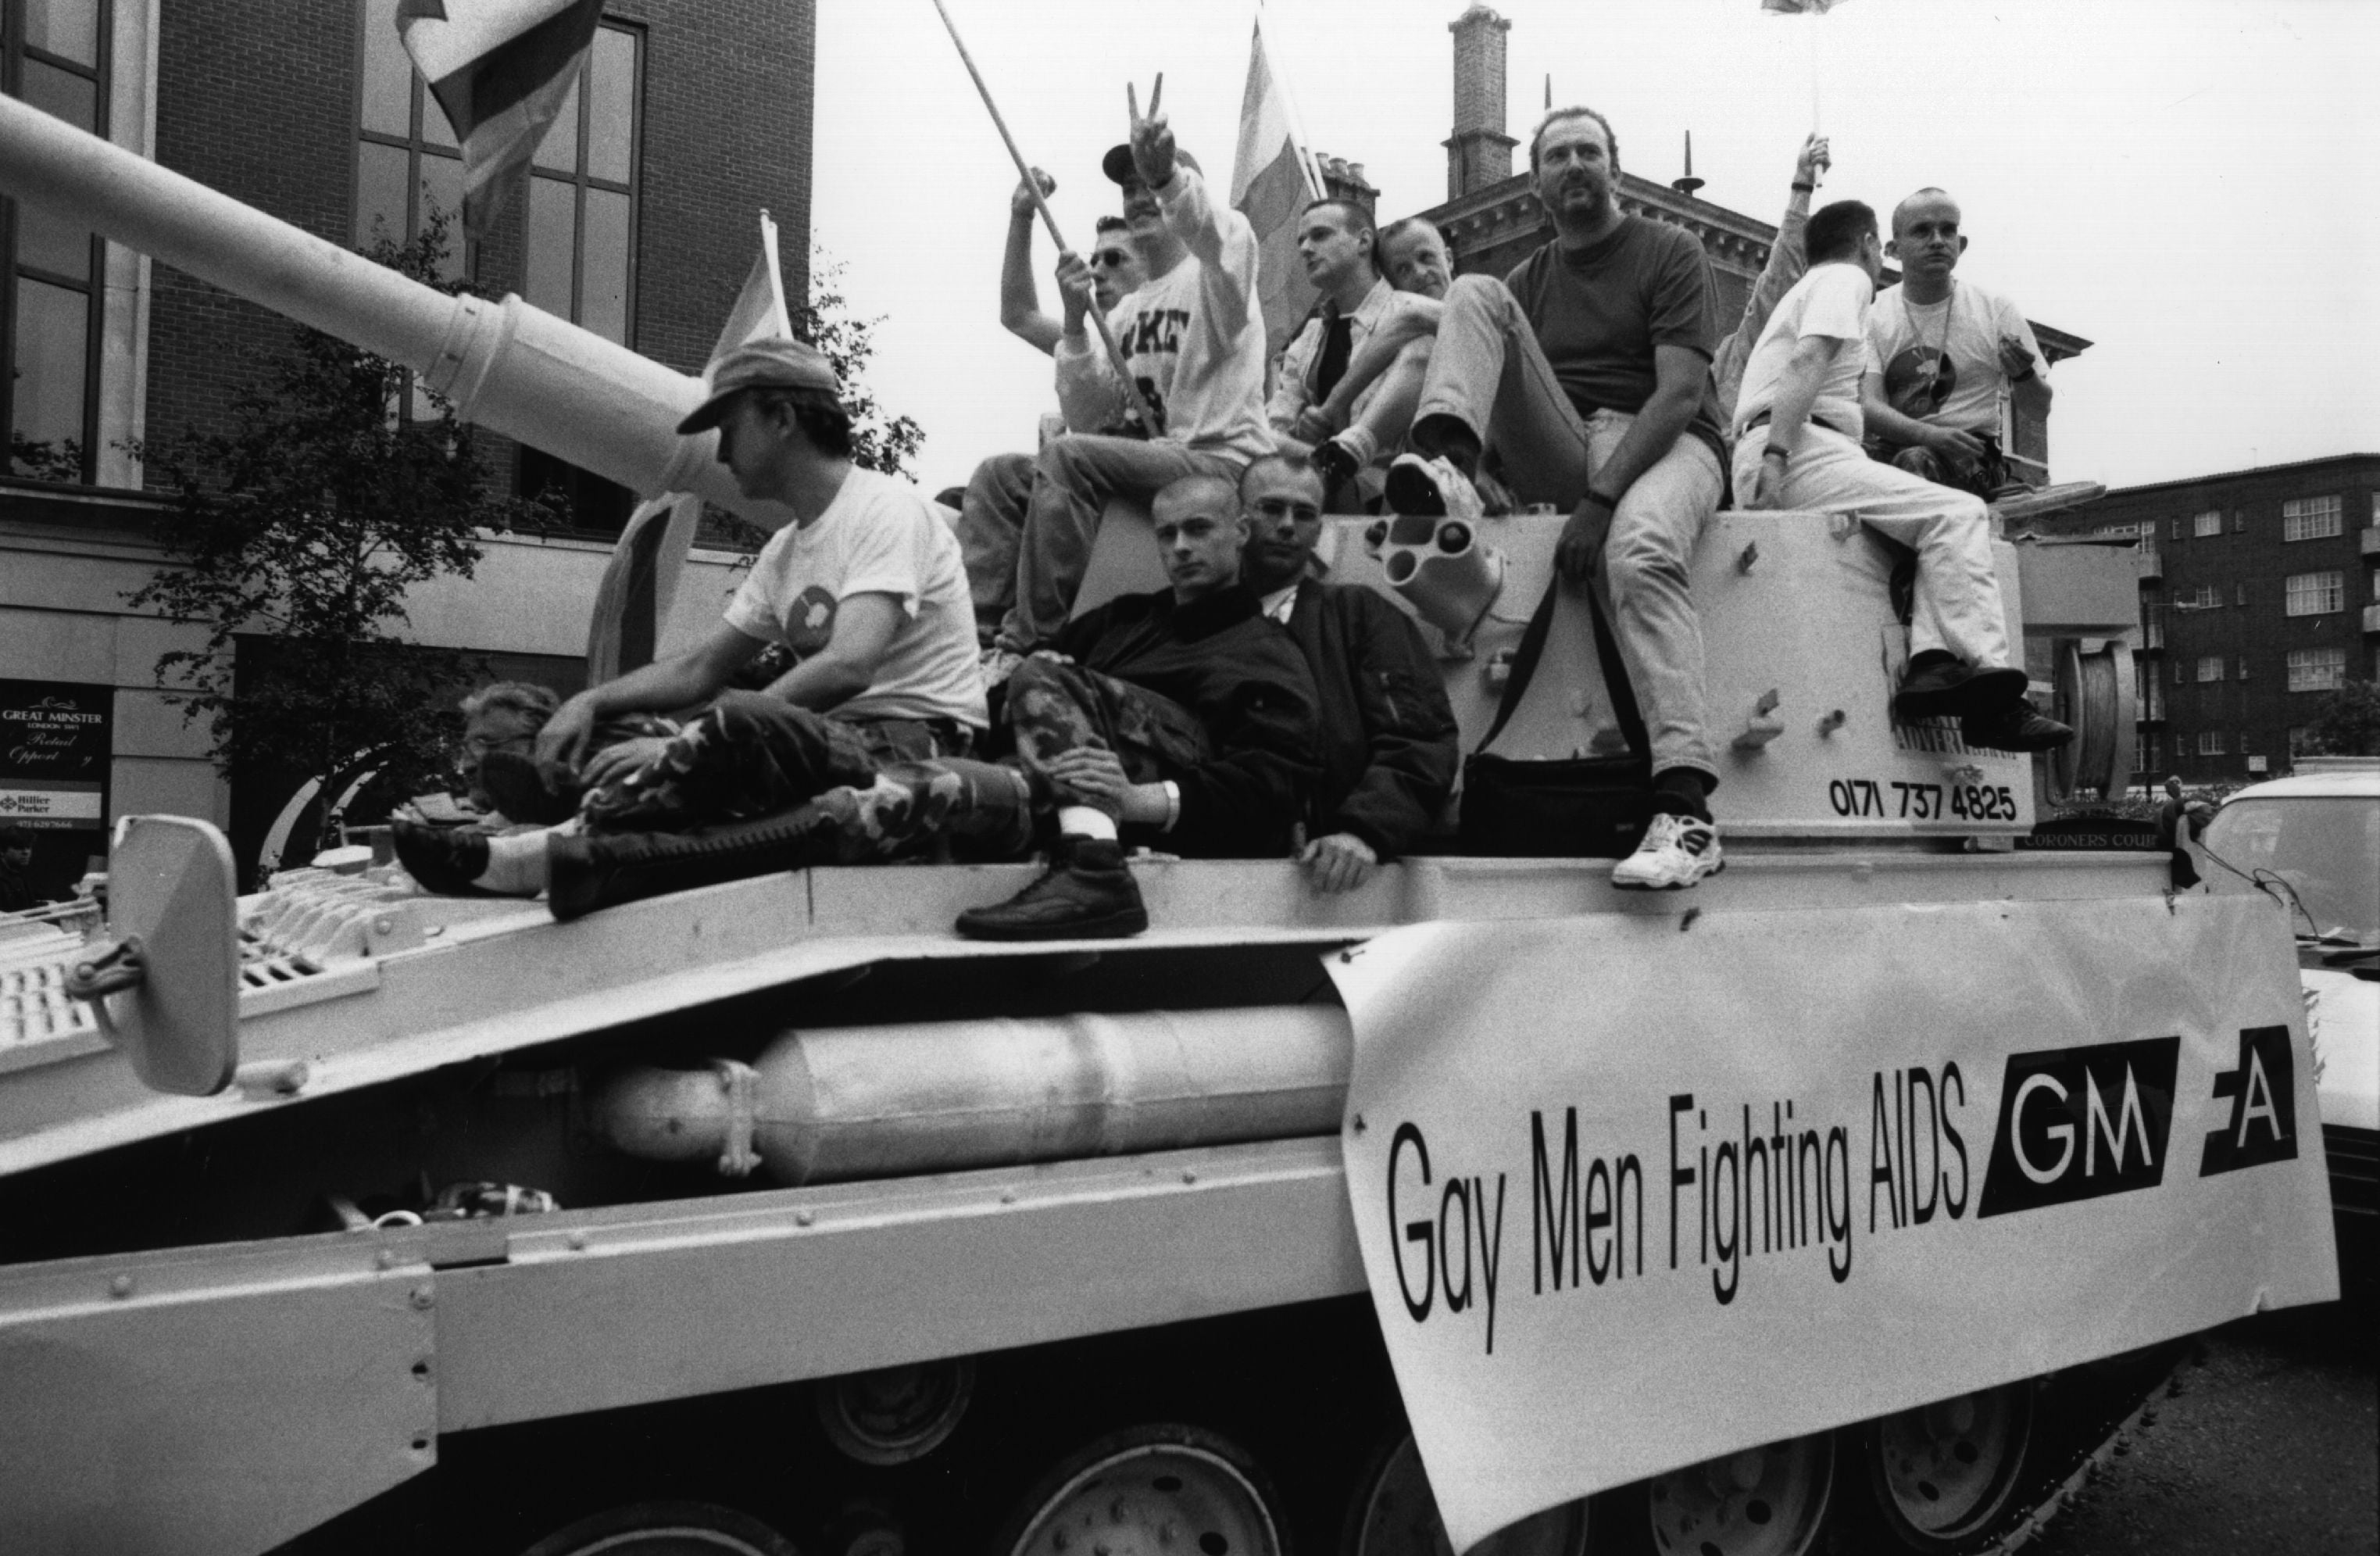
(55, 748)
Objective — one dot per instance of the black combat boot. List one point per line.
(604, 869)
(442, 860)
(1087, 894)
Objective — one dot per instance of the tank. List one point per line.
(1855, 1200)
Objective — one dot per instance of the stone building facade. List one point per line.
(638, 223)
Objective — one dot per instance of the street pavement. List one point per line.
(2270, 1443)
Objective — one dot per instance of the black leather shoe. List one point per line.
(1338, 466)
(444, 860)
(585, 872)
(2015, 728)
(1087, 894)
(1947, 688)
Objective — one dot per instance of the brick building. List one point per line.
(637, 223)
(2260, 593)
(1493, 221)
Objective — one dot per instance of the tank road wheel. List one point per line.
(1153, 1491)
(898, 1414)
(1764, 1502)
(1942, 1474)
(1394, 1512)
(665, 1530)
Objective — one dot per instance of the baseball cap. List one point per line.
(1117, 165)
(762, 364)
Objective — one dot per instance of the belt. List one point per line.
(1762, 420)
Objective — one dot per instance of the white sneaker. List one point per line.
(1677, 851)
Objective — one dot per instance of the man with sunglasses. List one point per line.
(1116, 270)
(1388, 748)
(1193, 341)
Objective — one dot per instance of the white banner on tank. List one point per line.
(1635, 1191)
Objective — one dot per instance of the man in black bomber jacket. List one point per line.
(1389, 746)
(1183, 714)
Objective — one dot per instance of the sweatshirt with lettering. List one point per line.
(1194, 337)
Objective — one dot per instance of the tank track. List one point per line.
(2094, 1461)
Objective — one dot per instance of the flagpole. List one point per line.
(1033, 186)
(1307, 162)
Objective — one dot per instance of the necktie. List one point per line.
(1338, 343)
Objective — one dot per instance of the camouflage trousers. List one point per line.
(1054, 706)
(869, 791)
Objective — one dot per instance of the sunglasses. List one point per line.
(1111, 259)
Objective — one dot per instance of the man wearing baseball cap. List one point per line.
(1191, 337)
(863, 585)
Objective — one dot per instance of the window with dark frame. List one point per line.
(52, 286)
(579, 247)
(407, 160)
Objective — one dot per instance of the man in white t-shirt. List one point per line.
(1802, 389)
(1193, 339)
(863, 585)
(1941, 352)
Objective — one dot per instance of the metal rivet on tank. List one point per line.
(384, 1259)
(421, 1297)
(1008, 1196)
(1189, 1175)
(804, 1218)
(578, 1241)
(383, 925)
(120, 1287)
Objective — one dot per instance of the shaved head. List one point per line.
(1925, 197)
(1218, 493)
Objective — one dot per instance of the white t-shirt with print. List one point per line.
(1831, 300)
(1941, 361)
(879, 536)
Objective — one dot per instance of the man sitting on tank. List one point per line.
(1797, 428)
(1193, 340)
(1389, 748)
(1184, 713)
(863, 584)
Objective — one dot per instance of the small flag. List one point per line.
(500, 69)
(632, 604)
(1799, 7)
(1271, 182)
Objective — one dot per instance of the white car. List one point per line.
(2318, 832)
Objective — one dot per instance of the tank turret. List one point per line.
(507, 366)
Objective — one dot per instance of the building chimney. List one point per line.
(1478, 154)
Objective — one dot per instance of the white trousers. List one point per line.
(1958, 603)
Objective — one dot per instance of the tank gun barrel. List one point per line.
(509, 366)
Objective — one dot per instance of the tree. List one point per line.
(2347, 722)
(879, 442)
(340, 487)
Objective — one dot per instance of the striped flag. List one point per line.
(500, 69)
(632, 604)
(1273, 178)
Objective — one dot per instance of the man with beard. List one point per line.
(1588, 371)
(1193, 340)
(1941, 353)
(1388, 746)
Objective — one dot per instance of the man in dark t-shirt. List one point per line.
(1588, 370)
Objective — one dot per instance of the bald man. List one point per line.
(1183, 717)
(1942, 354)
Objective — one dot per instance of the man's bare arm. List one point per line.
(1806, 371)
(679, 681)
(1894, 427)
(1020, 298)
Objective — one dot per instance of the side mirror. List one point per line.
(165, 983)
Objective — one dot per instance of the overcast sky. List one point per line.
(2189, 183)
